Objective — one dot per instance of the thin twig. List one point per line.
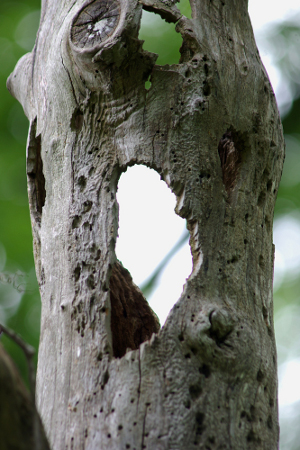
(29, 352)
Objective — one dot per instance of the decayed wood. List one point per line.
(132, 320)
(210, 127)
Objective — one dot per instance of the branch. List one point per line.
(29, 352)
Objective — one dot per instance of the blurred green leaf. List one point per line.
(160, 37)
(19, 309)
(291, 121)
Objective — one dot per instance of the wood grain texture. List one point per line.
(208, 378)
(95, 23)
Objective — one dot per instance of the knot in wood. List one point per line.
(95, 23)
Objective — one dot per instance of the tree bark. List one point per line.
(210, 127)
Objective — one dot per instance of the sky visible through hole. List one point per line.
(148, 229)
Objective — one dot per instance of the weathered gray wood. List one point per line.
(210, 127)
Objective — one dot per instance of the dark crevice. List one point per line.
(205, 370)
(35, 175)
(230, 156)
(76, 120)
(195, 390)
(132, 319)
(219, 331)
(105, 379)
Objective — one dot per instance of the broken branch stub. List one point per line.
(85, 85)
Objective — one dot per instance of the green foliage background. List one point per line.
(19, 310)
(19, 296)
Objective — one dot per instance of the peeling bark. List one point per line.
(210, 127)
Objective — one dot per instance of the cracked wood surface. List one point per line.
(210, 127)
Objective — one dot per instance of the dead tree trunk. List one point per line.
(210, 127)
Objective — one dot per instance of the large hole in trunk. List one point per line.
(153, 246)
